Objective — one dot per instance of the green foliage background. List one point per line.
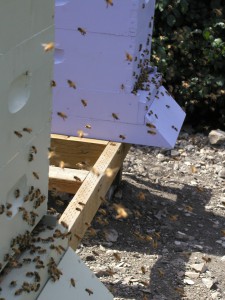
(189, 49)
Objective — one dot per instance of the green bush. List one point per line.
(189, 49)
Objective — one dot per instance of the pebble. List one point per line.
(222, 173)
(201, 268)
(189, 281)
(208, 282)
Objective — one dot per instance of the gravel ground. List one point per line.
(162, 235)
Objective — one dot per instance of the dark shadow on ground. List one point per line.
(167, 208)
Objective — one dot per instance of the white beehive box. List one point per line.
(102, 55)
(25, 96)
(96, 59)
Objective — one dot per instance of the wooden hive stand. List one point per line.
(86, 168)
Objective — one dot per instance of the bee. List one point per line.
(59, 203)
(80, 133)
(12, 283)
(72, 281)
(82, 30)
(150, 24)
(53, 83)
(62, 115)
(135, 59)
(90, 292)
(122, 137)
(122, 86)
(115, 116)
(42, 251)
(167, 106)
(26, 129)
(9, 213)
(109, 2)
(151, 132)
(88, 126)
(30, 157)
(64, 224)
(150, 125)
(18, 292)
(143, 270)
(27, 260)
(35, 175)
(77, 178)
(206, 259)
(117, 256)
(77, 236)
(156, 116)
(175, 128)
(18, 134)
(34, 149)
(71, 84)
(168, 93)
(84, 102)
(129, 57)
(17, 193)
(140, 47)
(37, 276)
(2, 209)
(30, 274)
(48, 47)
(143, 5)
(8, 205)
(95, 171)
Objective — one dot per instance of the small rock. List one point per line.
(222, 173)
(215, 295)
(182, 236)
(111, 235)
(216, 137)
(208, 282)
(189, 281)
(192, 275)
(174, 153)
(201, 268)
(223, 258)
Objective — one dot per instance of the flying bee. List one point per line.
(150, 125)
(53, 83)
(35, 175)
(129, 57)
(109, 2)
(64, 224)
(117, 256)
(26, 129)
(71, 84)
(121, 136)
(82, 30)
(88, 126)
(115, 116)
(17, 193)
(151, 132)
(34, 149)
(72, 281)
(18, 134)
(9, 213)
(62, 115)
(48, 47)
(80, 133)
(84, 102)
(90, 292)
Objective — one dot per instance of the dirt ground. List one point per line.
(162, 235)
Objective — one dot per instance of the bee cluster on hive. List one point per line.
(104, 86)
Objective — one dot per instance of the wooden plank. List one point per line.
(63, 179)
(72, 150)
(83, 207)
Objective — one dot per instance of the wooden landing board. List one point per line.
(84, 205)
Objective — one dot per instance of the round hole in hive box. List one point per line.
(19, 93)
